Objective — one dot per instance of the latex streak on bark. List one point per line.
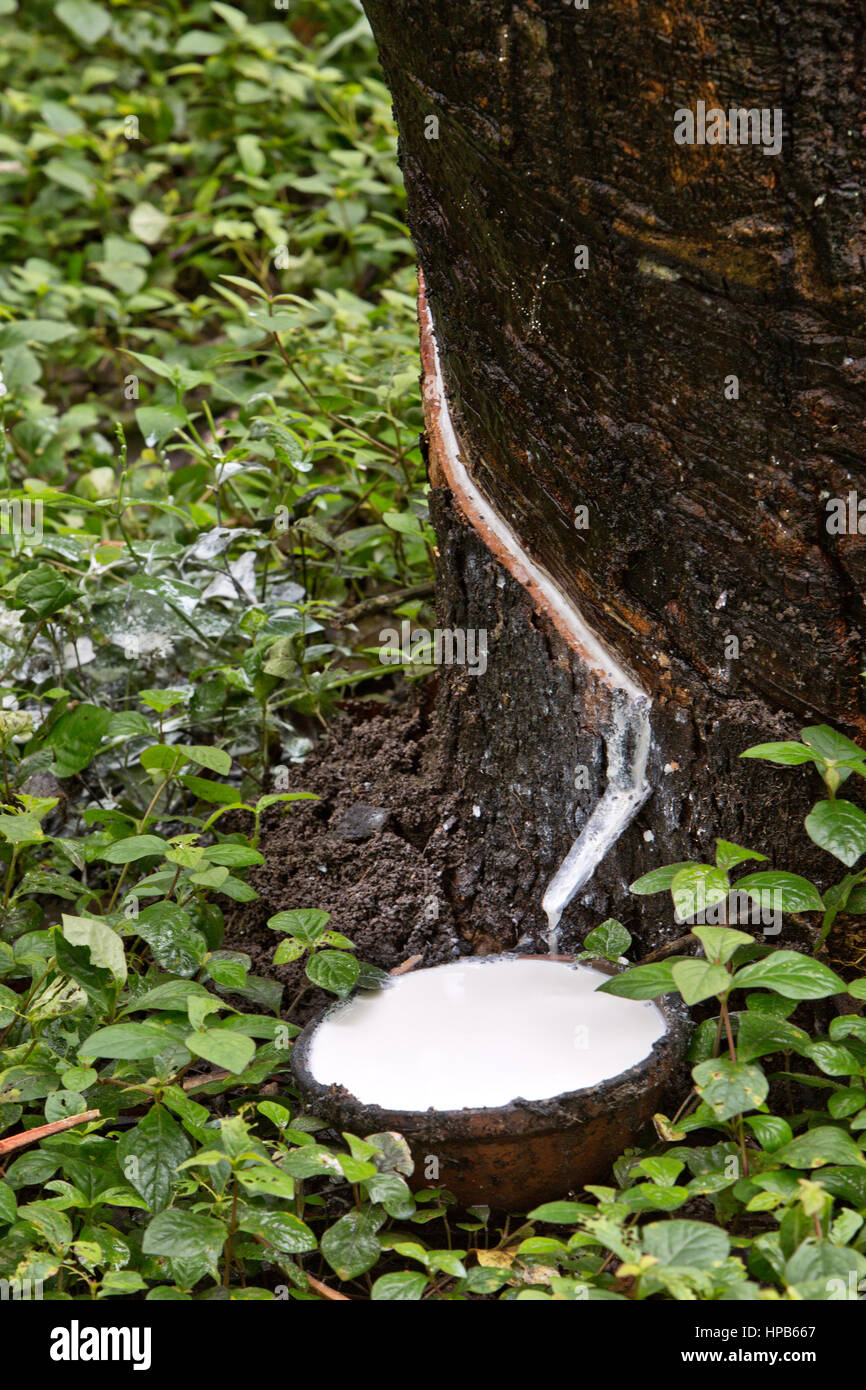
(628, 735)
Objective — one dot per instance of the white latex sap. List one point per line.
(482, 1033)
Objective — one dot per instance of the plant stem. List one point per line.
(233, 1221)
(9, 877)
(726, 1018)
(138, 829)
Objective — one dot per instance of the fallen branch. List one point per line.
(31, 1136)
(380, 603)
(326, 1292)
(315, 1284)
(205, 1078)
(406, 966)
(668, 949)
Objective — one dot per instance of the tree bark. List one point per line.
(601, 379)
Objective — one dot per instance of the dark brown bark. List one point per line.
(605, 388)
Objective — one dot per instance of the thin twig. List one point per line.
(205, 1078)
(406, 966)
(31, 1136)
(326, 1292)
(669, 946)
(380, 602)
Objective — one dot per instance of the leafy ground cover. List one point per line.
(210, 461)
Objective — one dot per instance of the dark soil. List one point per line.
(380, 850)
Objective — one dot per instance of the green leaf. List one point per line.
(404, 1287)
(610, 939)
(833, 1059)
(729, 855)
(720, 943)
(351, 1245)
(8, 1205)
(392, 1192)
(663, 1171)
(336, 971)
(642, 981)
(848, 1026)
(63, 1103)
(788, 754)
(132, 848)
(158, 422)
(235, 856)
(76, 737)
(171, 996)
(251, 154)
(174, 942)
(71, 175)
(686, 1244)
(226, 1049)
(699, 979)
(762, 1033)
(657, 880)
(791, 974)
(560, 1213)
(848, 1100)
(263, 992)
(163, 758)
(54, 1226)
(162, 700)
(781, 892)
(825, 1144)
(288, 951)
(43, 591)
(148, 224)
(393, 1153)
(729, 1087)
(184, 1235)
(815, 1264)
(208, 790)
(306, 923)
(150, 1155)
(829, 744)
(198, 43)
(21, 829)
(214, 759)
(282, 1230)
(117, 1282)
(75, 962)
(230, 974)
(696, 888)
(87, 21)
(771, 1131)
(10, 1004)
(840, 828)
(102, 941)
(405, 522)
(129, 1041)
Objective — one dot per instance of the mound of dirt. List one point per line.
(381, 850)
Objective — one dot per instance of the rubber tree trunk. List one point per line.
(653, 356)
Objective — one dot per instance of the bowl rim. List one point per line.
(667, 1049)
